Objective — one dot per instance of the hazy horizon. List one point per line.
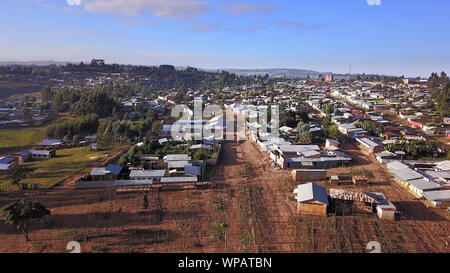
(400, 37)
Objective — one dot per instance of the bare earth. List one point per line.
(259, 210)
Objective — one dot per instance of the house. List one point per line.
(108, 173)
(420, 186)
(192, 170)
(385, 209)
(156, 175)
(311, 199)
(90, 139)
(5, 167)
(50, 143)
(370, 146)
(440, 199)
(359, 181)
(309, 175)
(30, 155)
(331, 142)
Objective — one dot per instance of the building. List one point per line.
(5, 167)
(108, 173)
(440, 199)
(50, 143)
(385, 209)
(312, 199)
(156, 175)
(329, 78)
(359, 181)
(369, 146)
(309, 175)
(32, 155)
(331, 142)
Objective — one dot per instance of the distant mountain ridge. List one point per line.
(274, 72)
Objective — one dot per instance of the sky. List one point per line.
(390, 37)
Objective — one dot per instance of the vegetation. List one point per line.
(20, 214)
(67, 163)
(414, 148)
(12, 141)
(70, 127)
(440, 92)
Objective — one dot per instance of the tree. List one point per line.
(19, 173)
(22, 213)
(200, 154)
(304, 135)
(332, 132)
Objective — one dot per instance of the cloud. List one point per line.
(74, 2)
(137, 22)
(374, 2)
(180, 9)
(213, 27)
(298, 26)
(238, 9)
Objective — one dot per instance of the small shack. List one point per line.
(359, 181)
(385, 209)
(309, 175)
(312, 199)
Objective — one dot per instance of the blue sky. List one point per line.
(395, 37)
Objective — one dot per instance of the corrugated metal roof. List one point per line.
(114, 169)
(147, 173)
(179, 179)
(178, 164)
(192, 170)
(423, 184)
(121, 183)
(311, 191)
(437, 195)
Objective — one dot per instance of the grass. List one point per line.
(17, 140)
(66, 163)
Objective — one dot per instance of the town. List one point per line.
(324, 163)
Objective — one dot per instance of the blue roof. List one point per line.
(25, 153)
(6, 160)
(114, 169)
(192, 170)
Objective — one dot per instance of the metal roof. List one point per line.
(6, 160)
(423, 184)
(192, 170)
(119, 183)
(311, 191)
(4, 166)
(178, 164)
(179, 179)
(99, 171)
(147, 173)
(114, 169)
(437, 195)
(50, 142)
(177, 157)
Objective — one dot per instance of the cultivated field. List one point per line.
(67, 163)
(17, 140)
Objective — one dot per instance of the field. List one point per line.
(17, 140)
(67, 163)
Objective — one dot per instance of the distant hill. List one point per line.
(38, 63)
(273, 72)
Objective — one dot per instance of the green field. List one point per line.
(17, 140)
(66, 163)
